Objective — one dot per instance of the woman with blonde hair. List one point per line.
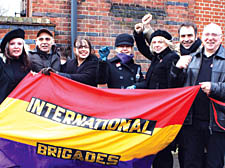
(162, 54)
(14, 66)
(14, 63)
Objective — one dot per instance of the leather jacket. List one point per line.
(179, 78)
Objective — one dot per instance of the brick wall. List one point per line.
(30, 25)
(102, 20)
(207, 11)
(59, 13)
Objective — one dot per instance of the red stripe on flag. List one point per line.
(161, 105)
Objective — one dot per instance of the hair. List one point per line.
(80, 41)
(188, 24)
(23, 56)
(170, 44)
(213, 26)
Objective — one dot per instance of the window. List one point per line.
(13, 8)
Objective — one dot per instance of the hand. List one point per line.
(205, 86)
(184, 61)
(104, 52)
(131, 87)
(47, 71)
(139, 28)
(146, 21)
(33, 73)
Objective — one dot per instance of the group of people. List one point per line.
(201, 142)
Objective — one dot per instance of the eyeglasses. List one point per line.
(80, 47)
(212, 34)
(44, 38)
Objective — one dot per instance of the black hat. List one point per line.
(44, 31)
(16, 33)
(124, 39)
(162, 33)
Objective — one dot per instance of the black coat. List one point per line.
(118, 75)
(10, 75)
(158, 74)
(85, 73)
(40, 59)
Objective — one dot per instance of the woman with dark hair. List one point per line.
(82, 68)
(14, 63)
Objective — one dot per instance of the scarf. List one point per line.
(192, 49)
(124, 58)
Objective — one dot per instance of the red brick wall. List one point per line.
(207, 11)
(59, 13)
(102, 21)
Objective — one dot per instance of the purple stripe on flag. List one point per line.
(25, 156)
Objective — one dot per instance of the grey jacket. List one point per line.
(41, 60)
(179, 78)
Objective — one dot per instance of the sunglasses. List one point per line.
(44, 38)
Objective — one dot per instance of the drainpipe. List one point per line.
(73, 23)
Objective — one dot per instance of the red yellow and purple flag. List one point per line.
(51, 121)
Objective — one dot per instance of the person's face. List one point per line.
(45, 42)
(125, 49)
(16, 47)
(211, 39)
(158, 44)
(187, 36)
(82, 50)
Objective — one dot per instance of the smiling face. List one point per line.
(125, 49)
(82, 49)
(45, 42)
(16, 47)
(211, 38)
(187, 36)
(158, 44)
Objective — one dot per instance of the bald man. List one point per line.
(200, 130)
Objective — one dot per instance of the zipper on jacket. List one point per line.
(210, 130)
(138, 74)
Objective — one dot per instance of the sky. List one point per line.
(9, 7)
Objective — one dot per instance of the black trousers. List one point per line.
(195, 139)
(164, 159)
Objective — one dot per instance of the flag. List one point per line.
(52, 121)
(218, 110)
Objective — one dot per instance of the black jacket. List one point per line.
(158, 74)
(85, 73)
(10, 75)
(40, 59)
(181, 78)
(118, 75)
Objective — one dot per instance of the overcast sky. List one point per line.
(9, 7)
